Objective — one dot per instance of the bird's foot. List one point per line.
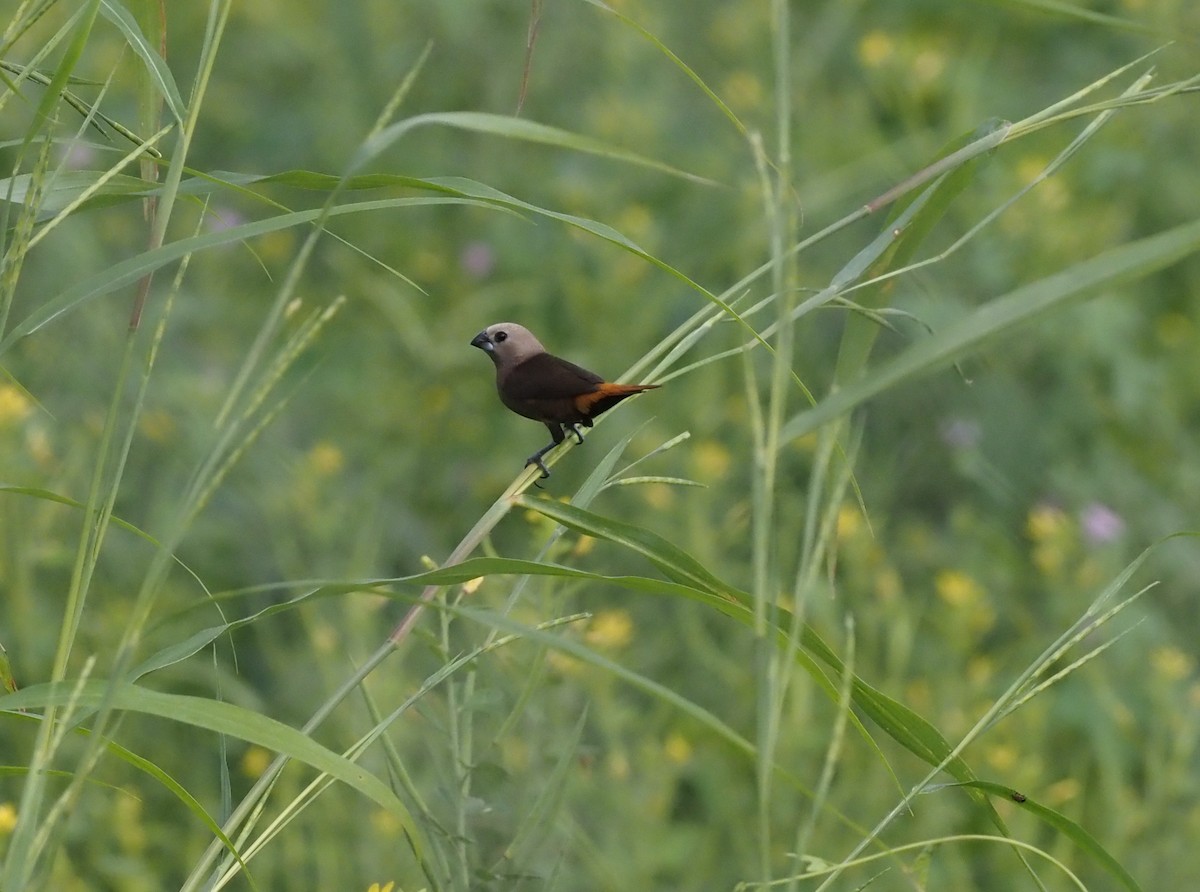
(536, 459)
(577, 432)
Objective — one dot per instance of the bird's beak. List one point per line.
(483, 342)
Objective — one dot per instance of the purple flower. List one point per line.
(960, 433)
(79, 156)
(477, 259)
(222, 218)
(1100, 523)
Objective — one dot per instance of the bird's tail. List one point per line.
(607, 395)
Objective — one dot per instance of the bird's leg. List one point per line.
(536, 459)
(556, 437)
(577, 432)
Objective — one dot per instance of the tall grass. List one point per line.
(805, 677)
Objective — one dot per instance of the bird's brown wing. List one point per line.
(546, 377)
(545, 388)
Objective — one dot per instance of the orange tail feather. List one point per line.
(606, 395)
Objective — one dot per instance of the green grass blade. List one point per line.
(509, 128)
(677, 564)
(1117, 266)
(222, 718)
(1059, 822)
(902, 724)
(155, 65)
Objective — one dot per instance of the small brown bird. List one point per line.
(537, 385)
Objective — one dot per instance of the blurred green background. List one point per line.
(999, 500)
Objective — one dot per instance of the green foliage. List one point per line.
(863, 597)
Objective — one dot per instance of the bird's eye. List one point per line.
(500, 336)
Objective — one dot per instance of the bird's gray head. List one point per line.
(507, 343)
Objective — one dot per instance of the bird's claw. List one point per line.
(537, 460)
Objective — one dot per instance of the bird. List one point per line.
(538, 385)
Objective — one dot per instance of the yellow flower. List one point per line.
(618, 766)
(1045, 522)
(710, 460)
(980, 670)
(678, 748)
(806, 445)
(326, 459)
(849, 522)
(960, 590)
(635, 221)
(157, 425)
(875, 48)
(325, 638)
(929, 65)
(1063, 791)
(385, 823)
(1171, 663)
(537, 518)
(1048, 559)
(276, 247)
(1002, 757)
(957, 588)
(255, 761)
(564, 664)
(127, 822)
(610, 629)
(629, 270)
(429, 265)
(1052, 532)
(1171, 329)
(38, 443)
(387, 887)
(919, 696)
(1029, 167)
(658, 496)
(742, 90)
(732, 29)
(14, 405)
(8, 817)
(888, 585)
(1122, 715)
(1051, 192)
